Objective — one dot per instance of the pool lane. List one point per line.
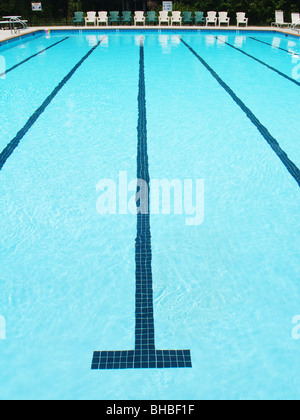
(230, 278)
(231, 273)
(145, 354)
(271, 98)
(87, 133)
(273, 143)
(13, 144)
(270, 45)
(4, 73)
(23, 90)
(278, 51)
(260, 61)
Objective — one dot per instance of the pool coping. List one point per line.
(36, 30)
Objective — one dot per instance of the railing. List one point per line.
(14, 22)
(23, 23)
(293, 26)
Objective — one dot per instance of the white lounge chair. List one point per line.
(163, 17)
(295, 18)
(223, 18)
(241, 19)
(90, 18)
(279, 19)
(295, 21)
(211, 18)
(176, 18)
(139, 18)
(102, 18)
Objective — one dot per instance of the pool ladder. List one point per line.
(293, 26)
(15, 29)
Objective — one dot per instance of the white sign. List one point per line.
(167, 6)
(36, 7)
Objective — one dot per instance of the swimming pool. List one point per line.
(187, 307)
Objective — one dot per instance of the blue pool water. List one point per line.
(219, 107)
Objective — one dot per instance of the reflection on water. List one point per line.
(239, 41)
(2, 328)
(94, 39)
(276, 42)
(2, 67)
(168, 41)
(221, 40)
(210, 40)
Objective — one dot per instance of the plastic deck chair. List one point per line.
(223, 18)
(78, 18)
(126, 18)
(90, 18)
(295, 18)
(241, 18)
(163, 17)
(295, 21)
(199, 18)
(102, 18)
(139, 17)
(151, 18)
(114, 18)
(211, 18)
(187, 18)
(176, 18)
(279, 19)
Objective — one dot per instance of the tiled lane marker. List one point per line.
(144, 355)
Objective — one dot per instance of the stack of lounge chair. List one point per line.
(162, 18)
(281, 23)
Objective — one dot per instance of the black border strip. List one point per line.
(9, 149)
(261, 62)
(32, 56)
(290, 166)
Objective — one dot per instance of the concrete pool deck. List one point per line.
(6, 35)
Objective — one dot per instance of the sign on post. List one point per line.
(36, 7)
(167, 6)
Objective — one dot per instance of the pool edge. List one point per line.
(33, 31)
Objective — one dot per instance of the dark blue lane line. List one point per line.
(290, 166)
(261, 62)
(144, 355)
(14, 143)
(270, 45)
(32, 56)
